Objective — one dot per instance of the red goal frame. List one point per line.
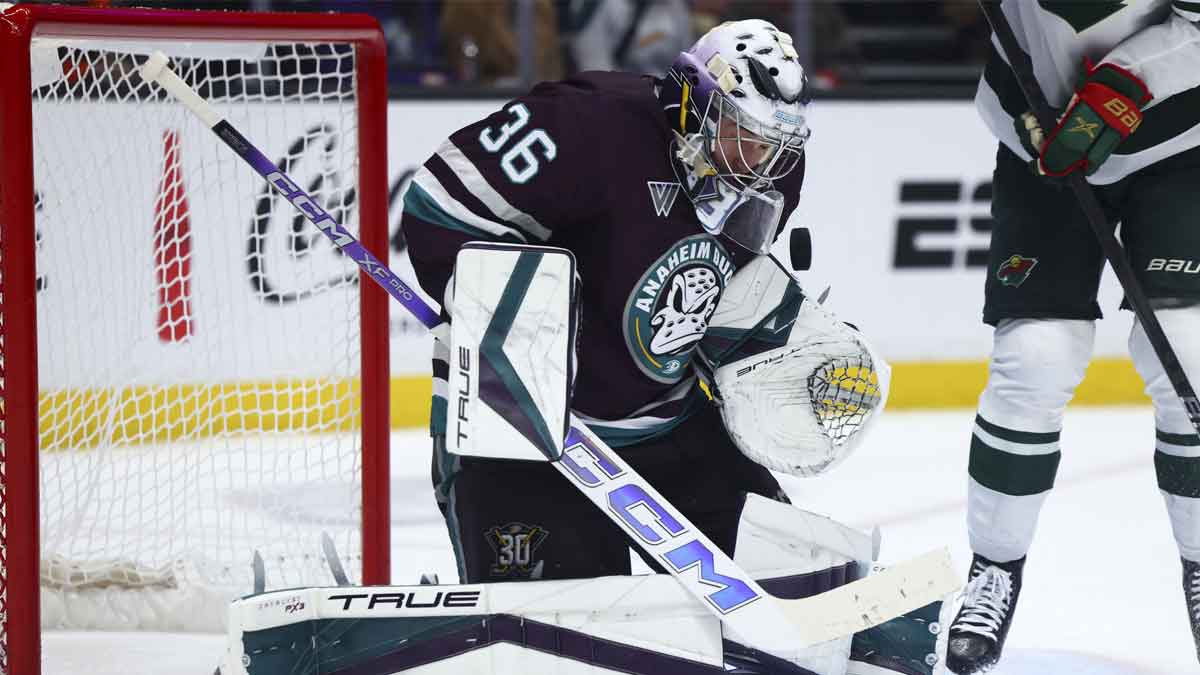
(20, 633)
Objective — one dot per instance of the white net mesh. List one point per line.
(198, 342)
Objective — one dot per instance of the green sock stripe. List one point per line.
(1026, 437)
(1177, 439)
(1179, 476)
(1011, 474)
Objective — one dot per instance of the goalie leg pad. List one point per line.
(644, 625)
(796, 554)
(793, 553)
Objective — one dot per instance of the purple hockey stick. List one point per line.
(156, 70)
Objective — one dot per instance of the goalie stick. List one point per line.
(1022, 67)
(331, 558)
(772, 624)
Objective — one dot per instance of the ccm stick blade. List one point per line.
(779, 626)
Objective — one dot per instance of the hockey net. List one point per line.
(202, 352)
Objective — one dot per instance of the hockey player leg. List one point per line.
(1035, 367)
(1177, 447)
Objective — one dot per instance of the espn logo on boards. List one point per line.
(943, 224)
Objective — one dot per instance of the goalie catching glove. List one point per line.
(1102, 113)
(797, 387)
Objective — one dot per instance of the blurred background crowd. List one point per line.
(851, 47)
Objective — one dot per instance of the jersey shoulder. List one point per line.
(606, 101)
(542, 160)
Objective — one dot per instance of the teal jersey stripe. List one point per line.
(620, 437)
(1015, 475)
(1186, 5)
(1025, 437)
(1179, 476)
(418, 203)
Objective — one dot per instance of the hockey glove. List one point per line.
(1104, 111)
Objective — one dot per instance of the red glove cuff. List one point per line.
(1119, 111)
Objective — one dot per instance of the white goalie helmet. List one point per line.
(798, 388)
(738, 102)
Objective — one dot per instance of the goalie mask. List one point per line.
(738, 103)
(797, 387)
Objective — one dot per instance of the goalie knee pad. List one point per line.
(796, 554)
(1177, 448)
(1035, 367)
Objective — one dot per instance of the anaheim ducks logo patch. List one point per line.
(1015, 270)
(668, 310)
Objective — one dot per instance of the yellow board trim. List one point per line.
(81, 418)
(957, 384)
(411, 398)
(72, 418)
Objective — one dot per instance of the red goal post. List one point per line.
(363, 371)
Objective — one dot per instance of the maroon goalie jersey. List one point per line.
(585, 164)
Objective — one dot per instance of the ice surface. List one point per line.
(1102, 589)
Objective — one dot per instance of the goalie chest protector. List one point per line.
(584, 164)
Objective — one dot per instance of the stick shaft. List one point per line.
(156, 70)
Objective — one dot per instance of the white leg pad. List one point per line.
(1182, 327)
(1001, 526)
(1036, 366)
(779, 540)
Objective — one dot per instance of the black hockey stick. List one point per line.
(1022, 67)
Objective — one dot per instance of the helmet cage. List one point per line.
(709, 96)
(729, 133)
